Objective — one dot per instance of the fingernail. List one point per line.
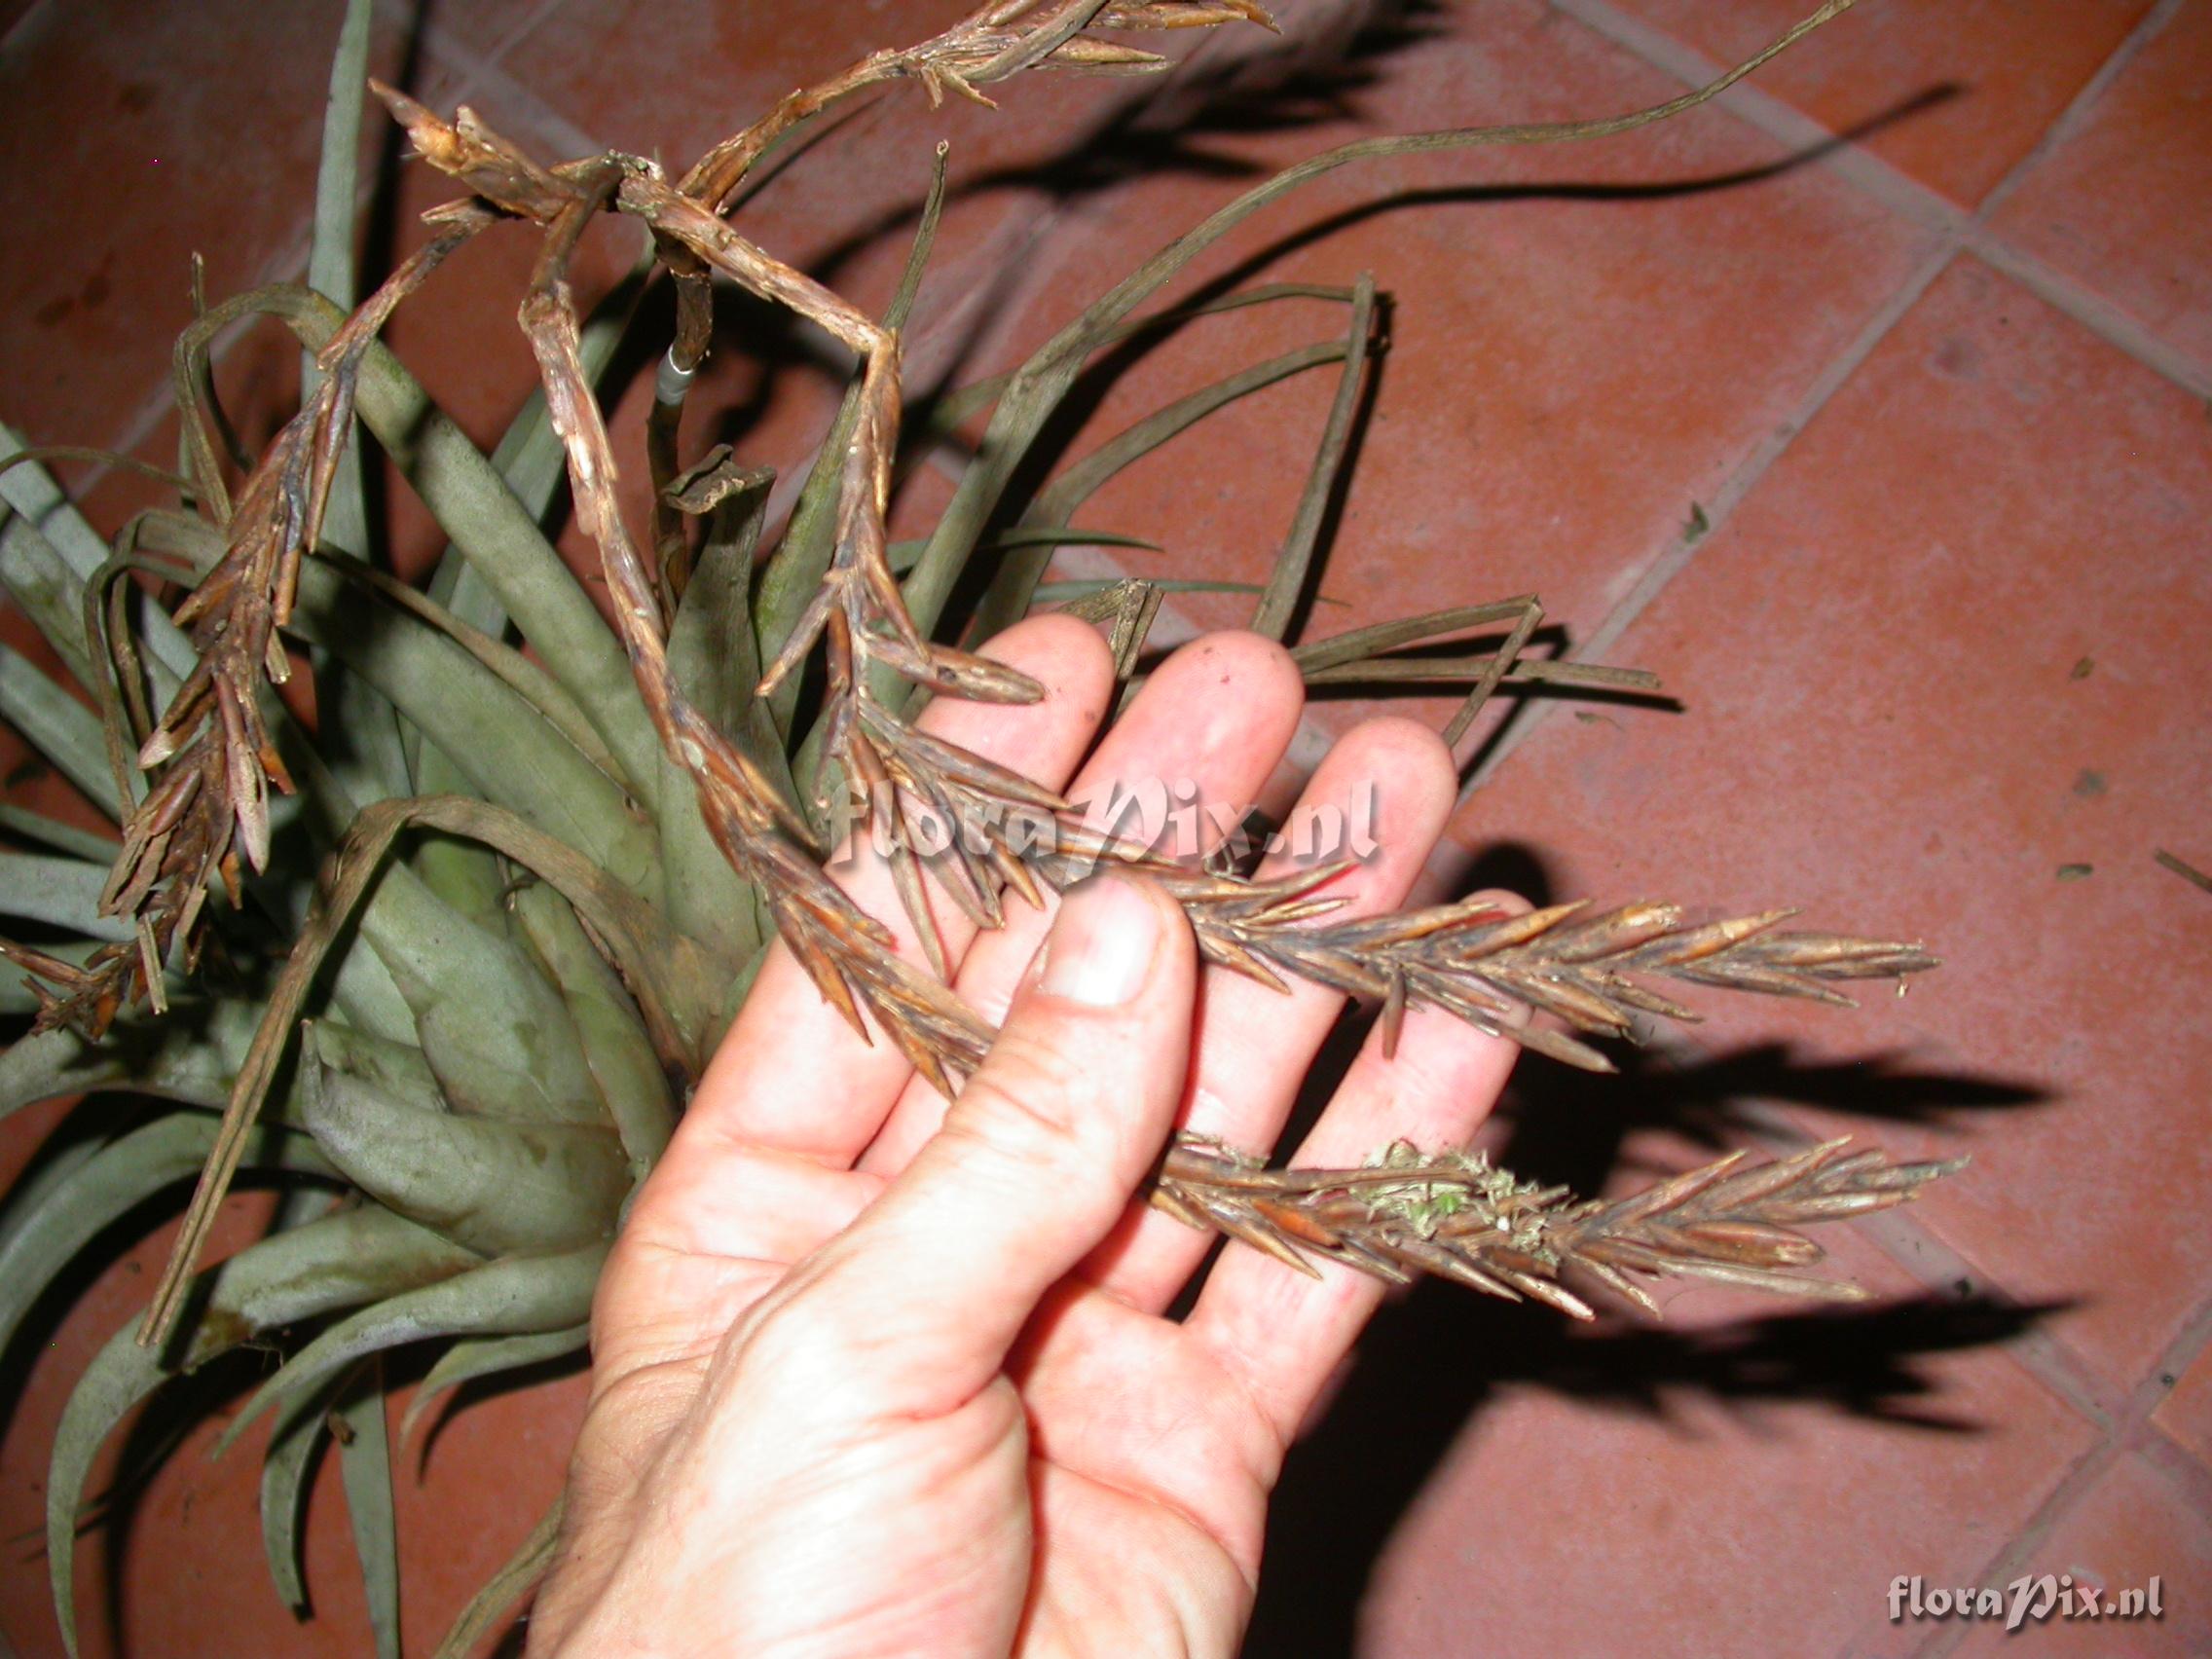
(1100, 949)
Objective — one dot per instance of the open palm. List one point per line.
(873, 1376)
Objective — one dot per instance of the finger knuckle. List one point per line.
(1031, 1096)
(786, 1341)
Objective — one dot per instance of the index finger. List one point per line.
(792, 1075)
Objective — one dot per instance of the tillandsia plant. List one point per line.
(547, 876)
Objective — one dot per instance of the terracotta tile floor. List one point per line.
(1892, 455)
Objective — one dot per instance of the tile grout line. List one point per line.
(2051, 1362)
(1868, 172)
(1909, 198)
(2052, 1365)
(1675, 554)
(2132, 1431)
(1720, 504)
(1957, 231)
(2179, 1467)
(2090, 310)
(2122, 1422)
(1923, 1254)
(1907, 195)
(2082, 105)
(2005, 1564)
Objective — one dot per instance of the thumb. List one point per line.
(1036, 1159)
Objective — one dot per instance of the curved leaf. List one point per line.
(1056, 504)
(533, 462)
(1035, 391)
(499, 536)
(472, 505)
(712, 658)
(364, 1464)
(330, 250)
(32, 492)
(347, 1258)
(1294, 562)
(48, 590)
(360, 730)
(491, 1027)
(65, 893)
(489, 1186)
(61, 837)
(520, 675)
(122, 1176)
(365, 1456)
(62, 1153)
(286, 1472)
(665, 968)
(397, 1068)
(619, 1049)
(508, 751)
(362, 985)
(949, 412)
(58, 727)
(508, 1297)
(191, 1056)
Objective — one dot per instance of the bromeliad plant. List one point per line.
(547, 878)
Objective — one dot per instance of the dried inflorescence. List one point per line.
(1408, 1212)
(211, 749)
(215, 764)
(549, 876)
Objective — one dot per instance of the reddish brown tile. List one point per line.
(1948, 649)
(858, 182)
(489, 30)
(1584, 340)
(2186, 1413)
(2118, 206)
(2131, 1526)
(1702, 1488)
(2000, 72)
(773, 382)
(192, 1579)
(138, 133)
(1876, 647)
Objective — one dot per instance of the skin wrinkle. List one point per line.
(1261, 1041)
(1227, 747)
(1082, 1333)
(785, 1029)
(938, 1375)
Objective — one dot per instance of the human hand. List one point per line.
(875, 1377)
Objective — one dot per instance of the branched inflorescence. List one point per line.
(1409, 1212)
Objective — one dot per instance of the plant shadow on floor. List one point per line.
(1434, 1358)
